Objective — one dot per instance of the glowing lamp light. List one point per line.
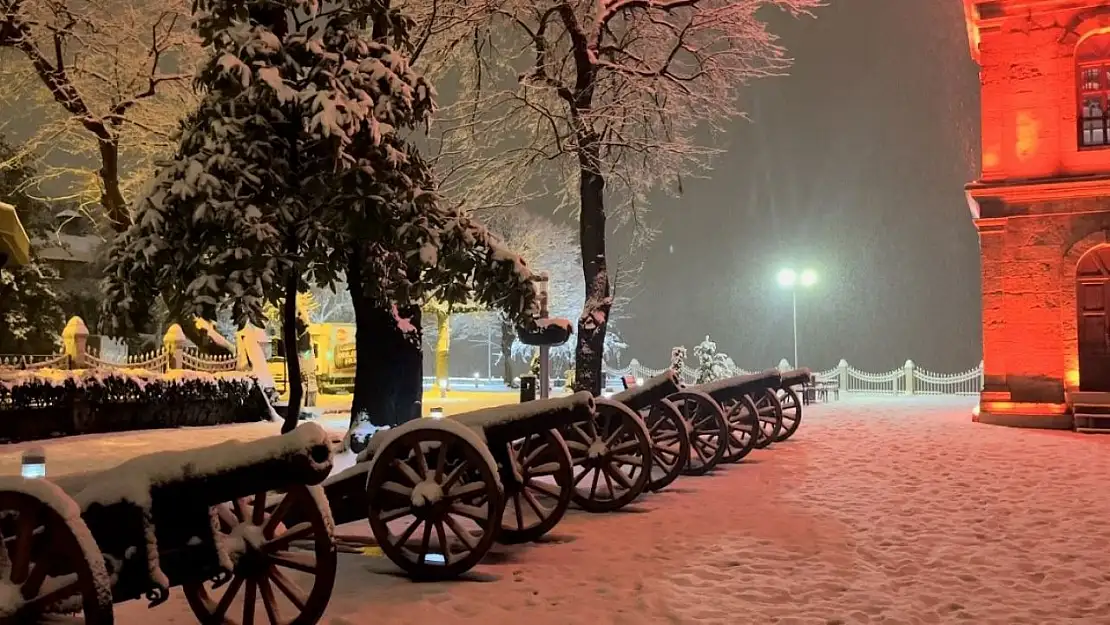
(809, 277)
(436, 413)
(34, 464)
(443, 384)
(787, 277)
(477, 376)
(639, 381)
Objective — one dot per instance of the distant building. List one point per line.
(1042, 208)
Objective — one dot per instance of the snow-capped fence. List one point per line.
(909, 379)
(76, 354)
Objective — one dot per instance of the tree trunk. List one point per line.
(508, 334)
(292, 358)
(410, 368)
(111, 197)
(443, 350)
(589, 351)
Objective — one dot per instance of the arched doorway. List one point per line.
(1092, 298)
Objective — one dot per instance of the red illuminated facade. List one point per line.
(1042, 208)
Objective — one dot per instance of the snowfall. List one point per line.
(880, 510)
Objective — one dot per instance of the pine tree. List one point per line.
(292, 169)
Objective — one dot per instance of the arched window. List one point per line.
(1092, 60)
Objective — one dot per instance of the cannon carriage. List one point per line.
(790, 402)
(747, 423)
(213, 521)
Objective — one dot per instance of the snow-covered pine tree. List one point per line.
(712, 365)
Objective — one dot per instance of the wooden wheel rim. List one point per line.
(770, 419)
(791, 413)
(265, 575)
(542, 454)
(43, 546)
(707, 431)
(670, 444)
(612, 450)
(467, 487)
(743, 427)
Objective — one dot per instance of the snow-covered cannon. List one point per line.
(213, 521)
(438, 492)
(789, 402)
(669, 432)
(747, 425)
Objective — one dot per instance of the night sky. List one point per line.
(853, 165)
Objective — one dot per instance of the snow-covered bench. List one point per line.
(184, 518)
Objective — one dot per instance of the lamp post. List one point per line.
(790, 279)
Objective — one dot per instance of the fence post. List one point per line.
(982, 376)
(174, 344)
(75, 341)
(842, 375)
(908, 372)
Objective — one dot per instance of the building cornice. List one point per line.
(1041, 190)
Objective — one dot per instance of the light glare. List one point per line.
(809, 277)
(787, 277)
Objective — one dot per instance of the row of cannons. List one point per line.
(247, 530)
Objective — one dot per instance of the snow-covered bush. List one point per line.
(712, 365)
(46, 387)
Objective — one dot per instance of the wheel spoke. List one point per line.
(259, 512)
(593, 488)
(441, 536)
(37, 575)
(456, 529)
(278, 515)
(517, 509)
(269, 602)
(619, 476)
(467, 489)
(604, 471)
(541, 512)
(547, 468)
(471, 512)
(408, 471)
(229, 596)
(248, 602)
(299, 531)
(407, 534)
(578, 478)
(21, 559)
(398, 489)
(616, 433)
(543, 488)
(241, 513)
(536, 453)
(441, 462)
(425, 542)
(225, 514)
(289, 588)
(388, 516)
(636, 461)
(454, 475)
(295, 561)
(63, 591)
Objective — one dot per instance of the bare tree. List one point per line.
(601, 99)
(119, 73)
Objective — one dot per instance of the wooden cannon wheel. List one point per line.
(670, 443)
(272, 563)
(791, 413)
(539, 493)
(435, 501)
(51, 559)
(612, 458)
(743, 428)
(770, 418)
(707, 430)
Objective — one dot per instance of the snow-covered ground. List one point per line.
(896, 510)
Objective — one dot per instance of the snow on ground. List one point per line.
(895, 510)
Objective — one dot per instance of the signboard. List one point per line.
(345, 356)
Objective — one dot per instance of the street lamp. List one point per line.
(790, 279)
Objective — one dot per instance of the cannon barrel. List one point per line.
(503, 424)
(210, 475)
(794, 377)
(651, 391)
(734, 387)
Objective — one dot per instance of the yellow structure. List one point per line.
(333, 345)
(15, 248)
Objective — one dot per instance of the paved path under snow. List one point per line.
(896, 510)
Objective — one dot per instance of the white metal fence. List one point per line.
(909, 379)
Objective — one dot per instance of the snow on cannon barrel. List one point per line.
(207, 520)
(670, 440)
(737, 397)
(789, 401)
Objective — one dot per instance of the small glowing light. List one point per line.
(809, 277)
(436, 413)
(477, 376)
(443, 384)
(639, 381)
(787, 277)
(34, 464)
(435, 558)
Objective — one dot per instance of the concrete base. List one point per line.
(1018, 418)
